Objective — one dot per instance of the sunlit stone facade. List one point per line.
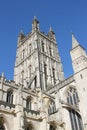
(40, 98)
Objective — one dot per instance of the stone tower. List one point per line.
(79, 63)
(38, 63)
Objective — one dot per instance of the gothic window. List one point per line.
(52, 127)
(29, 48)
(45, 74)
(22, 76)
(28, 103)
(23, 53)
(1, 125)
(52, 108)
(42, 47)
(75, 118)
(10, 96)
(35, 81)
(54, 80)
(50, 51)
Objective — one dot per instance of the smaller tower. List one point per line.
(35, 25)
(78, 55)
(79, 63)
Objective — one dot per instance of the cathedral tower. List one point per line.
(38, 62)
(79, 63)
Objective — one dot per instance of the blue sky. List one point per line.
(63, 15)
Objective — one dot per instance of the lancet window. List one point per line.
(42, 47)
(52, 108)
(28, 103)
(10, 96)
(54, 79)
(45, 74)
(75, 118)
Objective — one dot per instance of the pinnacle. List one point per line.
(74, 41)
(50, 29)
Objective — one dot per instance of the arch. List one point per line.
(9, 98)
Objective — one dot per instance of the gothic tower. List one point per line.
(79, 63)
(38, 63)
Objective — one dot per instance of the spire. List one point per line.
(35, 24)
(21, 36)
(51, 30)
(51, 34)
(74, 41)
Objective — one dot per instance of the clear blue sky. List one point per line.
(62, 15)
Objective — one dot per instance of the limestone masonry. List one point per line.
(40, 98)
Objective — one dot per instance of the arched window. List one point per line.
(75, 118)
(42, 47)
(50, 51)
(52, 127)
(29, 48)
(28, 103)
(45, 74)
(54, 79)
(9, 96)
(52, 108)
